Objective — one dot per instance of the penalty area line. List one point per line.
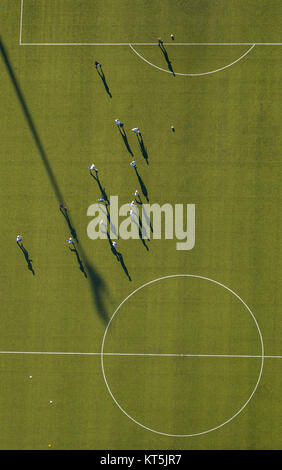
(145, 43)
(137, 43)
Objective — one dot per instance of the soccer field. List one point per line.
(171, 340)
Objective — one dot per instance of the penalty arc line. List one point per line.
(193, 74)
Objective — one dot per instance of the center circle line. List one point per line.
(208, 430)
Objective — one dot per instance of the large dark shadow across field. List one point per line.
(99, 290)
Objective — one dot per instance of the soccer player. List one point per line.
(160, 41)
(70, 241)
(93, 168)
(133, 203)
(118, 122)
(114, 244)
(172, 36)
(136, 131)
(97, 64)
(133, 164)
(19, 239)
(101, 200)
(138, 197)
(172, 128)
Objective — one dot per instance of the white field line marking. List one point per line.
(259, 375)
(139, 43)
(150, 43)
(137, 354)
(193, 74)
(21, 22)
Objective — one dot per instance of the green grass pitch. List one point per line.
(193, 359)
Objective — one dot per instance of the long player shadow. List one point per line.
(103, 78)
(165, 54)
(102, 190)
(80, 263)
(142, 232)
(106, 212)
(118, 256)
(143, 149)
(64, 211)
(97, 285)
(27, 258)
(142, 185)
(148, 221)
(125, 140)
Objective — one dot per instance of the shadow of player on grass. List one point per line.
(103, 78)
(106, 212)
(102, 190)
(118, 256)
(143, 148)
(27, 258)
(142, 185)
(124, 137)
(64, 211)
(165, 54)
(81, 267)
(146, 217)
(141, 231)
